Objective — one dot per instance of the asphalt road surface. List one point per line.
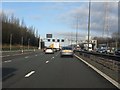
(39, 70)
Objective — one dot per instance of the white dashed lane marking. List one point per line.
(26, 57)
(36, 55)
(29, 74)
(16, 54)
(47, 62)
(52, 57)
(8, 61)
(5, 56)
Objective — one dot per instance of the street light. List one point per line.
(71, 38)
(22, 43)
(10, 41)
(77, 30)
(28, 42)
(89, 24)
(39, 43)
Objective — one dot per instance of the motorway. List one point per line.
(39, 70)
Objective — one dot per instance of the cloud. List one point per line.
(56, 6)
(71, 35)
(97, 17)
(8, 11)
(35, 17)
(52, 7)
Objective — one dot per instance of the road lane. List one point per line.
(22, 66)
(17, 55)
(16, 52)
(60, 72)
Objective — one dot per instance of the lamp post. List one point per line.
(77, 30)
(22, 43)
(89, 24)
(71, 38)
(28, 42)
(10, 41)
(39, 43)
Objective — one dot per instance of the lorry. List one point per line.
(86, 47)
(77, 47)
(55, 46)
(52, 43)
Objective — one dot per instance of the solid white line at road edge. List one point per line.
(29, 73)
(8, 61)
(101, 73)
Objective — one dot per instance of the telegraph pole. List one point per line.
(116, 44)
(89, 24)
(10, 41)
(106, 24)
(22, 43)
(39, 43)
(77, 30)
(71, 38)
(28, 42)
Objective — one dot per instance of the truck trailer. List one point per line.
(86, 47)
(55, 46)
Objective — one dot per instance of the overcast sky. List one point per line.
(59, 19)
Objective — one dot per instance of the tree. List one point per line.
(12, 26)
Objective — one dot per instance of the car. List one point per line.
(102, 50)
(66, 51)
(77, 48)
(54, 49)
(49, 50)
(117, 52)
(44, 49)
